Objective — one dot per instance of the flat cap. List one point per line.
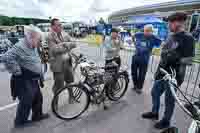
(115, 30)
(178, 16)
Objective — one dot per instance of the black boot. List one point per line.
(40, 118)
(170, 130)
(138, 91)
(150, 115)
(162, 124)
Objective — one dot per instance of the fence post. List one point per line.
(191, 73)
(196, 80)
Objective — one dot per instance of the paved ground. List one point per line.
(122, 117)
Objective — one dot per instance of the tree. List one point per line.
(20, 21)
(5, 20)
(10, 21)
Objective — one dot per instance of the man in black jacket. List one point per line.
(176, 54)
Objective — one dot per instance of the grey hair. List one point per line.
(149, 26)
(28, 30)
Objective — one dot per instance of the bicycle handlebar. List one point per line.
(189, 109)
(164, 71)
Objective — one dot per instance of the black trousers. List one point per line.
(138, 71)
(30, 98)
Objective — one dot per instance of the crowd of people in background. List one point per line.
(25, 65)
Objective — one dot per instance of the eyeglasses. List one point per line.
(59, 25)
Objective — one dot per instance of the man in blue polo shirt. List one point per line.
(144, 43)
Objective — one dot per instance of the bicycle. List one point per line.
(98, 85)
(191, 109)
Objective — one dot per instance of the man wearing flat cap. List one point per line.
(177, 53)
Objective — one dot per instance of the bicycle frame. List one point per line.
(195, 125)
(92, 89)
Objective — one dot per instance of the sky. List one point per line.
(69, 10)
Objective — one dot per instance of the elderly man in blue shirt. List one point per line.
(144, 43)
(24, 63)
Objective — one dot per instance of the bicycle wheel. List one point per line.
(117, 89)
(67, 105)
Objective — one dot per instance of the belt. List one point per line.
(113, 58)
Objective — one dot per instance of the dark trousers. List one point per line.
(30, 98)
(138, 71)
(60, 80)
(158, 89)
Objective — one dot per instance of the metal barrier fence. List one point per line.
(190, 87)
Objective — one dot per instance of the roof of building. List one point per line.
(159, 7)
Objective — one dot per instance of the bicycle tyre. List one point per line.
(54, 105)
(109, 88)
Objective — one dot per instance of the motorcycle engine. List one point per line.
(92, 74)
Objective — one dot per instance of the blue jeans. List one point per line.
(158, 89)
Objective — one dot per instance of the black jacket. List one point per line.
(17, 82)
